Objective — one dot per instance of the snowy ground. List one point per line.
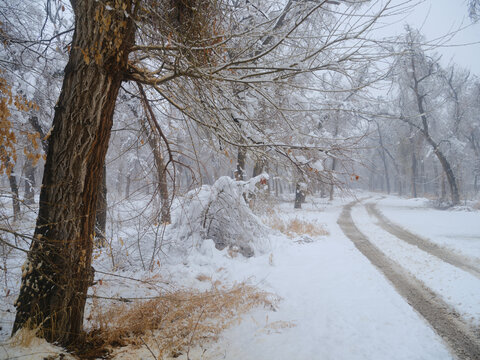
(335, 303)
(457, 230)
(457, 288)
(341, 306)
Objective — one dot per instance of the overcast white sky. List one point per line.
(435, 18)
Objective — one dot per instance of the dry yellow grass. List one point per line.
(24, 337)
(183, 319)
(203, 277)
(26, 344)
(296, 227)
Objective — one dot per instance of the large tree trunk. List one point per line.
(58, 270)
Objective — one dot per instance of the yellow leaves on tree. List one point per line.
(7, 136)
(8, 154)
(34, 156)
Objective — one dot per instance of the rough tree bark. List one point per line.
(58, 270)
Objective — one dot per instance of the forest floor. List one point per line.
(371, 277)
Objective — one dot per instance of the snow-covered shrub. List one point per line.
(220, 213)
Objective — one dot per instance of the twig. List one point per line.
(148, 347)
(193, 333)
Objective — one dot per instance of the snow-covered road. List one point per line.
(345, 307)
(341, 300)
(437, 289)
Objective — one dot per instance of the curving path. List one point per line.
(463, 342)
(422, 243)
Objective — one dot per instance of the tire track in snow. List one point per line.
(461, 339)
(421, 243)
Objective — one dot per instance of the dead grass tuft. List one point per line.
(203, 277)
(24, 337)
(295, 227)
(28, 343)
(183, 319)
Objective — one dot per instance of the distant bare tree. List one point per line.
(418, 72)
